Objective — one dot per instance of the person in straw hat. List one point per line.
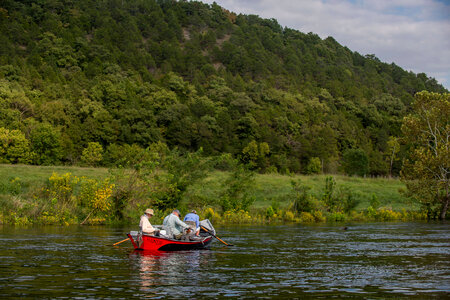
(145, 225)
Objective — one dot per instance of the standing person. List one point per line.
(144, 224)
(173, 225)
(193, 220)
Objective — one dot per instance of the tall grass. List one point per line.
(275, 187)
(273, 195)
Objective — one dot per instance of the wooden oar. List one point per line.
(215, 236)
(121, 241)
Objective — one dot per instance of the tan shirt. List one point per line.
(145, 225)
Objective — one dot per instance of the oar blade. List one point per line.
(215, 236)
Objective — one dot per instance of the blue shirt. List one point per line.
(194, 218)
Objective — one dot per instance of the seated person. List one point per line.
(173, 225)
(193, 221)
(144, 224)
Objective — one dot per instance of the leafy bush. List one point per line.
(303, 202)
(60, 187)
(306, 217)
(314, 166)
(92, 154)
(237, 217)
(336, 217)
(236, 195)
(318, 216)
(14, 147)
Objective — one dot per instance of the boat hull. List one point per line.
(153, 243)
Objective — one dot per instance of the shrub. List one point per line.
(306, 217)
(374, 202)
(97, 196)
(328, 197)
(303, 202)
(314, 166)
(289, 216)
(270, 212)
(14, 147)
(60, 187)
(387, 215)
(92, 154)
(318, 217)
(211, 215)
(336, 217)
(237, 186)
(237, 217)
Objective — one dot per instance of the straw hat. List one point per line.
(149, 211)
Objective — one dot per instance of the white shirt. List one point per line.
(145, 225)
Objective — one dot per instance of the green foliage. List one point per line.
(31, 195)
(14, 147)
(374, 202)
(60, 188)
(237, 190)
(314, 166)
(355, 162)
(192, 76)
(338, 199)
(124, 155)
(13, 186)
(46, 143)
(328, 195)
(392, 152)
(92, 154)
(303, 201)
(256, 155)
(427, 131)
(180, 172)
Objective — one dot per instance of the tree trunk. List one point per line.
(444, 207)
(82, 223)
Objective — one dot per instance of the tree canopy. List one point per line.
(128, 74)
(427, 170)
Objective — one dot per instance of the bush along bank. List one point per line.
(121, 198)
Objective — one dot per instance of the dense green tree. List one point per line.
(355, 162)
(427, 131)
(46, 144)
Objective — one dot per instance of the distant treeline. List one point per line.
(96, 82)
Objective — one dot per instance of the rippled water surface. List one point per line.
(292, 261)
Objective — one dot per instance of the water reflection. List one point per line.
(158, 269)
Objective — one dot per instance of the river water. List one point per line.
(376, 260)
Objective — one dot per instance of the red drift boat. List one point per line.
(164, 243)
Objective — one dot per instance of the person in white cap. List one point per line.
(145, 225)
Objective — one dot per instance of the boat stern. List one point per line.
(134, 236)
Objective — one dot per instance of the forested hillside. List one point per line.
(95, 81)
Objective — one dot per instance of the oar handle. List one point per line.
(121, 241)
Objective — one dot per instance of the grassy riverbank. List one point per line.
(20, 195)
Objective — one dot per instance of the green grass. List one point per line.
(35, 176)
(276, 187)
(268, 187)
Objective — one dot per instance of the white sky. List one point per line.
(414, 34)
